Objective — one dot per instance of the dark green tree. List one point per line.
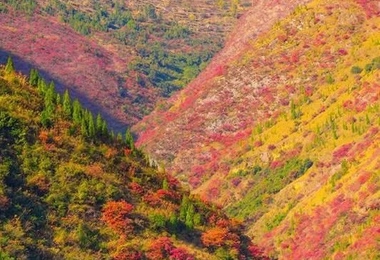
(66, 103)
(129, 140)
(9, 67)
(189, 219)
(83, 127)
(165, 184)
(41, 85)
(183, 208)
(33, 77)
(77, 112)
(91, 125)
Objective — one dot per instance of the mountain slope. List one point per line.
(70, 190)
(285, 132)
(119, 57)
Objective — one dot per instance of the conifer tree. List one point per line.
(91, 125)
(41, 85)
(99, 124)
(58, 99)
(67, 104)
(33, 77)
(189, 221)
(77, 112)
(9, 67)
(129, 140)
(165, 184)
(104, 128)
(46, 120)
(183, 208)
(83, 127)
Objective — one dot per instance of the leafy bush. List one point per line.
(356, 70)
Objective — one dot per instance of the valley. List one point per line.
(267, 112)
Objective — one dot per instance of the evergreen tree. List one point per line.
(46, 118)
(41, 85)
(58, 99)
(104, 128)
(119, 137)
(99, 124)
(197, 219)
(9, 67)
(189, 221)
(83, 127)
(66, 104)
(165, 184)
(129, 140)
(50, 98)
(33, 77)
(183, 208)
(77, 112)
(91, 125)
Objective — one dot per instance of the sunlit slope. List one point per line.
(70, 189)
(286, 136)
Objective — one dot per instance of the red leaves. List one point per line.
(136, 188)
(163, 248)
(215, 237)
(180, 254)
(276, 164)
(115, 214)
(371, 7)
(160, 248)
(342, 151)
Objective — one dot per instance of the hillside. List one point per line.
(282, 129)
(69, 189)
(118, 57)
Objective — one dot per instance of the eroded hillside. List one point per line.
(285, 131)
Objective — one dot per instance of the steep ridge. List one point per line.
(122, 56)
(71, 190)
(285, 132)
(188, 116)
(86, 68)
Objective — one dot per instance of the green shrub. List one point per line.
(356, 70)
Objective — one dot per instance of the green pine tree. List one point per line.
(165, 184)
(189, 219)
(83, 127)
(33, 77)
(129, 140)
(58, 99)
(66, 104)
(77, 112)
(183, 208)
(99, 124)
(104, 128)
(91, 125)
(9, 67)
(41, 85)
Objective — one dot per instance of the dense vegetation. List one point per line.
(146, 30)
(285, 131)
(69, 189)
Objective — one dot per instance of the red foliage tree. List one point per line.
(116, 216)
(128, 254)
(136, 188)
(215, 237)
(160, 248)
(180, 254)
